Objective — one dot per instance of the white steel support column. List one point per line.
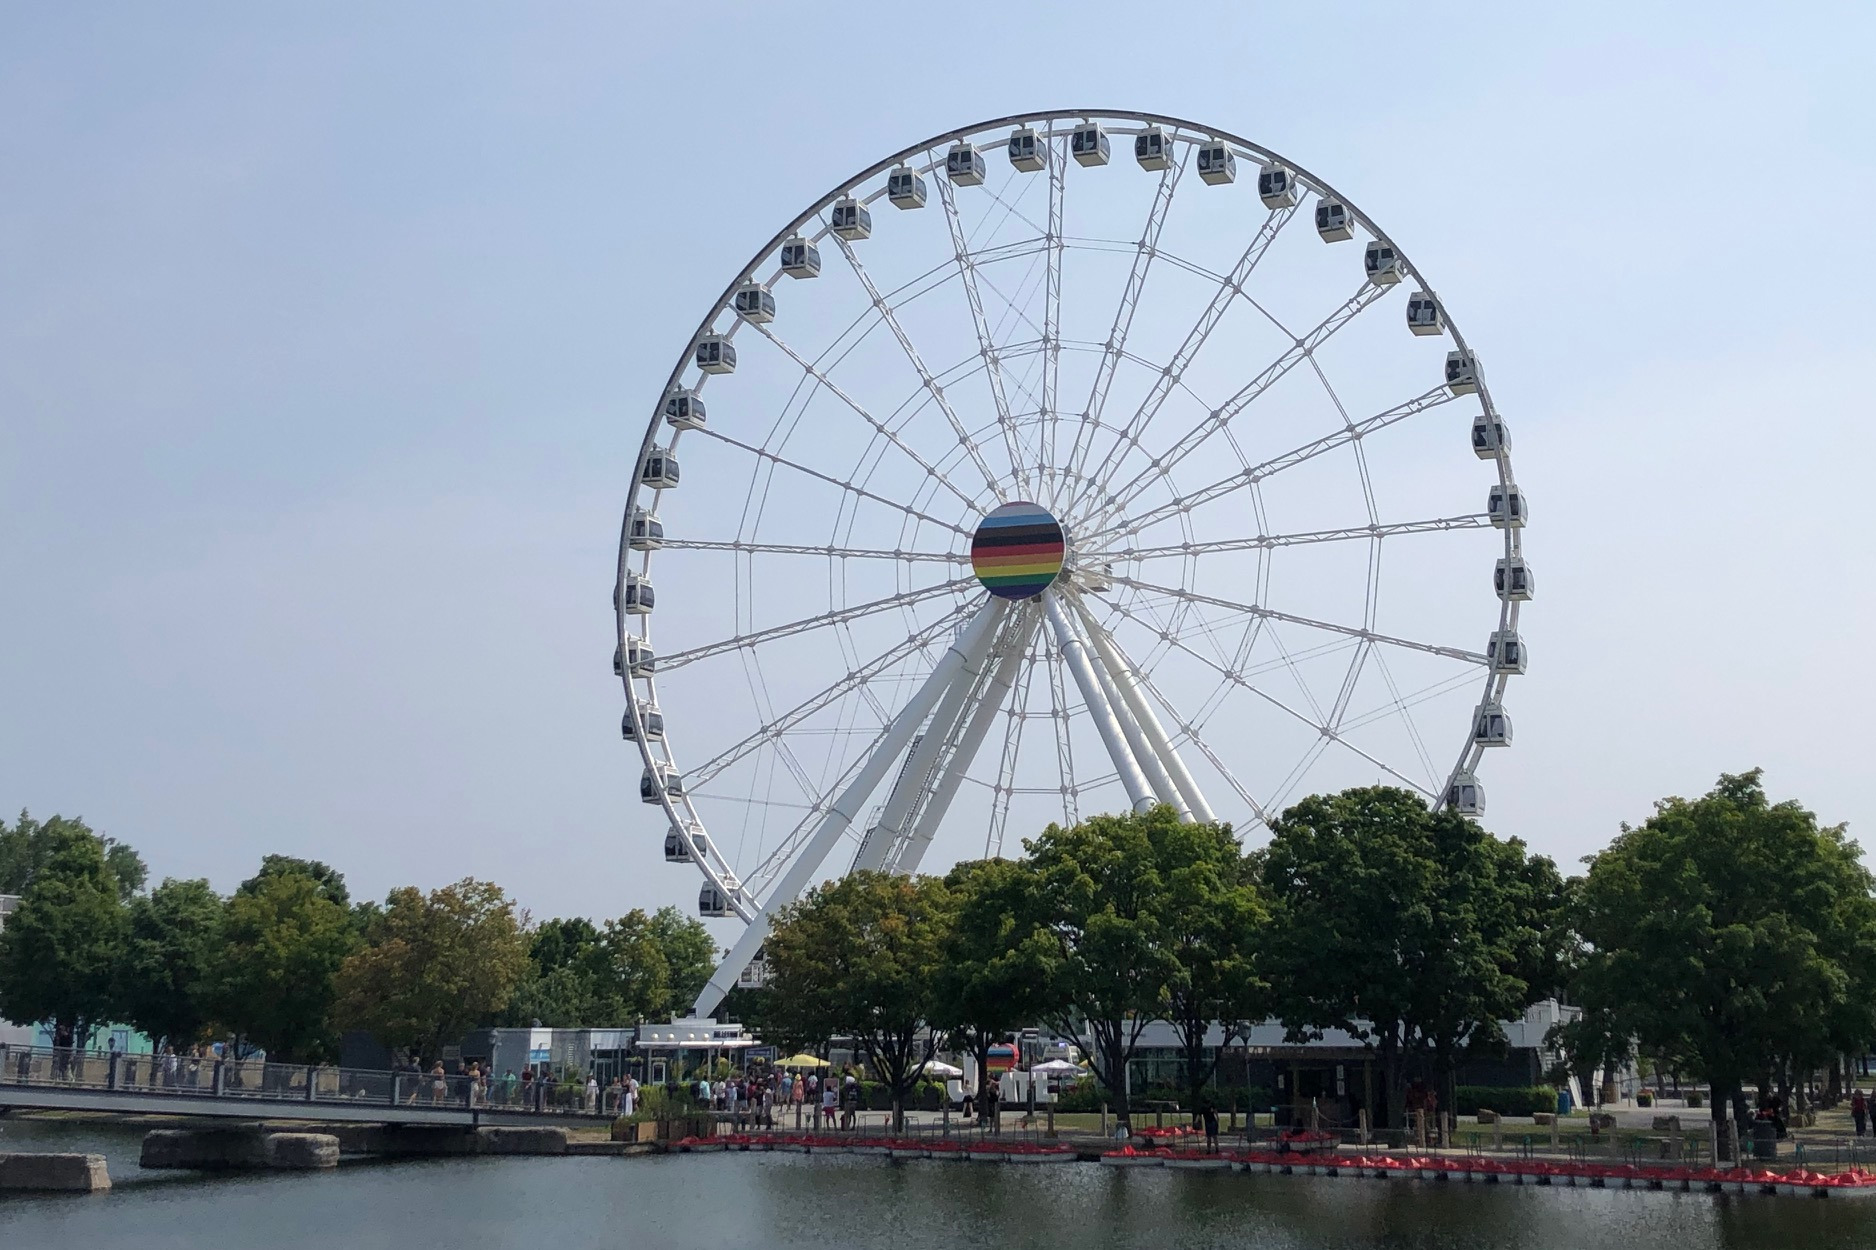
(945, 787)
(1161, 746)
(903, 799)
(898, 734)
(1099, 710)
(1143, 752)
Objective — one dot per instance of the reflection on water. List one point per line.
(831, 1203)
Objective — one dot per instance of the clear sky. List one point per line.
(326, 335)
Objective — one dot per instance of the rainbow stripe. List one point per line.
(1018, 551)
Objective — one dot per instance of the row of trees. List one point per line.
(1728, 938)
(1415, 930)
(289, 960)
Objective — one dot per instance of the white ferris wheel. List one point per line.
(1052, 466)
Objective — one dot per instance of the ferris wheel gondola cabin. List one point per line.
(647, 530)
(682, 849)
(1089, 144)
(1152, 149)
(660, 471)
(634, 655)
(712, 903)
(1381, 263)
(1505, 650)
(1465, 795)
(905, 188)
(1217, 166)
(964, 165)
(640, 597)
(716, 354)
(1507, 507)
(754, 304)
(684, 410)
(1029, 152)
(851, 220)
(667, 780)
(1333, 222)
(800, 258)
(1513, 580)
(1489, 435)
(1423, 314)
(1462, 373)
(652, 719)
(1491, 726)
(1276, 187)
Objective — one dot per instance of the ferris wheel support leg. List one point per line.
(883, 837)
(1144, 751)
(893, 741)
(1100, 711)
(1121, 671)
(976, 729)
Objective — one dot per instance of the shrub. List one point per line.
(1509, 1100)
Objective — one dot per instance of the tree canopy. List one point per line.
(169, 960)
(61, 949)
(27, 846)
(282, 944)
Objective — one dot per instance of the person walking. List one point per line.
(830, 1095)
(1211, 1127)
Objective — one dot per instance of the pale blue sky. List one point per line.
(325, 339)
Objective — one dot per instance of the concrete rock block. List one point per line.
(31, 1172)
(301, 1151)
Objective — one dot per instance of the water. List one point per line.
(690, 1202)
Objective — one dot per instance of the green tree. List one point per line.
(637, 984)
(986, 984)
(163, 981)
(1732, 935)
(690, 953)
(566, 966)
(1101, 895)
(331, 881)
(1213, 919)
(858, 958)
(27, 847)
(1406, 928)
(282, 944)
(435, 966)
(63, 945)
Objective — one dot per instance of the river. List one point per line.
(757, 1201)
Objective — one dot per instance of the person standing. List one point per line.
(1859, 1111)
(829, 1096)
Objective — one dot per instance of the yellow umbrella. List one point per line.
(803, 1061)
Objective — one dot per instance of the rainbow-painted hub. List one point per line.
(1018, 550)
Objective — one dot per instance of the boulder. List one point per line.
(1487, 1116)
(32, 1172)
(301, 1151)
(1544, 1117)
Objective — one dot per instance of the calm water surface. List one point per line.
(831, 1203)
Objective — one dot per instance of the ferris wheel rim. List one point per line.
(681, 818)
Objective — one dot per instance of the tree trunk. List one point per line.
(1723, 1093)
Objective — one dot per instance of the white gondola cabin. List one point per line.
(684, 410)
(659, 470)
(1491, 725)
(711, 903)
(753, 303)
(1217, 166)
(1424, 315)
(1381, 263)
(1489, 435)
(1462, 373)
(801, 259)
(1505, 650)
(851, 220)
(1029, 151)
(905, 188)
(964, 165)
(1507, 507)
(653, 723)
(666, 780)
(1089, 144)
(1333, 222)
(646, 532)
(1276, 187)
(1152, 149)
(1465, 795)
(1513, 579)
(640, 598)
(716, 354)
(635, 655)
(676, 849)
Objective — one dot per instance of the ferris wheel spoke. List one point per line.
(1115, 346)
(1052, 322)
(858, 491)
(1315, 723)
(889, 315)
(1226, 291)
(1268, 469)
(1003, 788)
(993, 369)
(1161, 466)
(1059, 724)
(809, 549)
(678, 659)
(775, 730)
(879, 427)
(1270, 614)
(1264, 542)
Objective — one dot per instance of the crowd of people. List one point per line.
(756, 1101)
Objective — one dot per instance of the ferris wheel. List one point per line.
(1051, 466)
